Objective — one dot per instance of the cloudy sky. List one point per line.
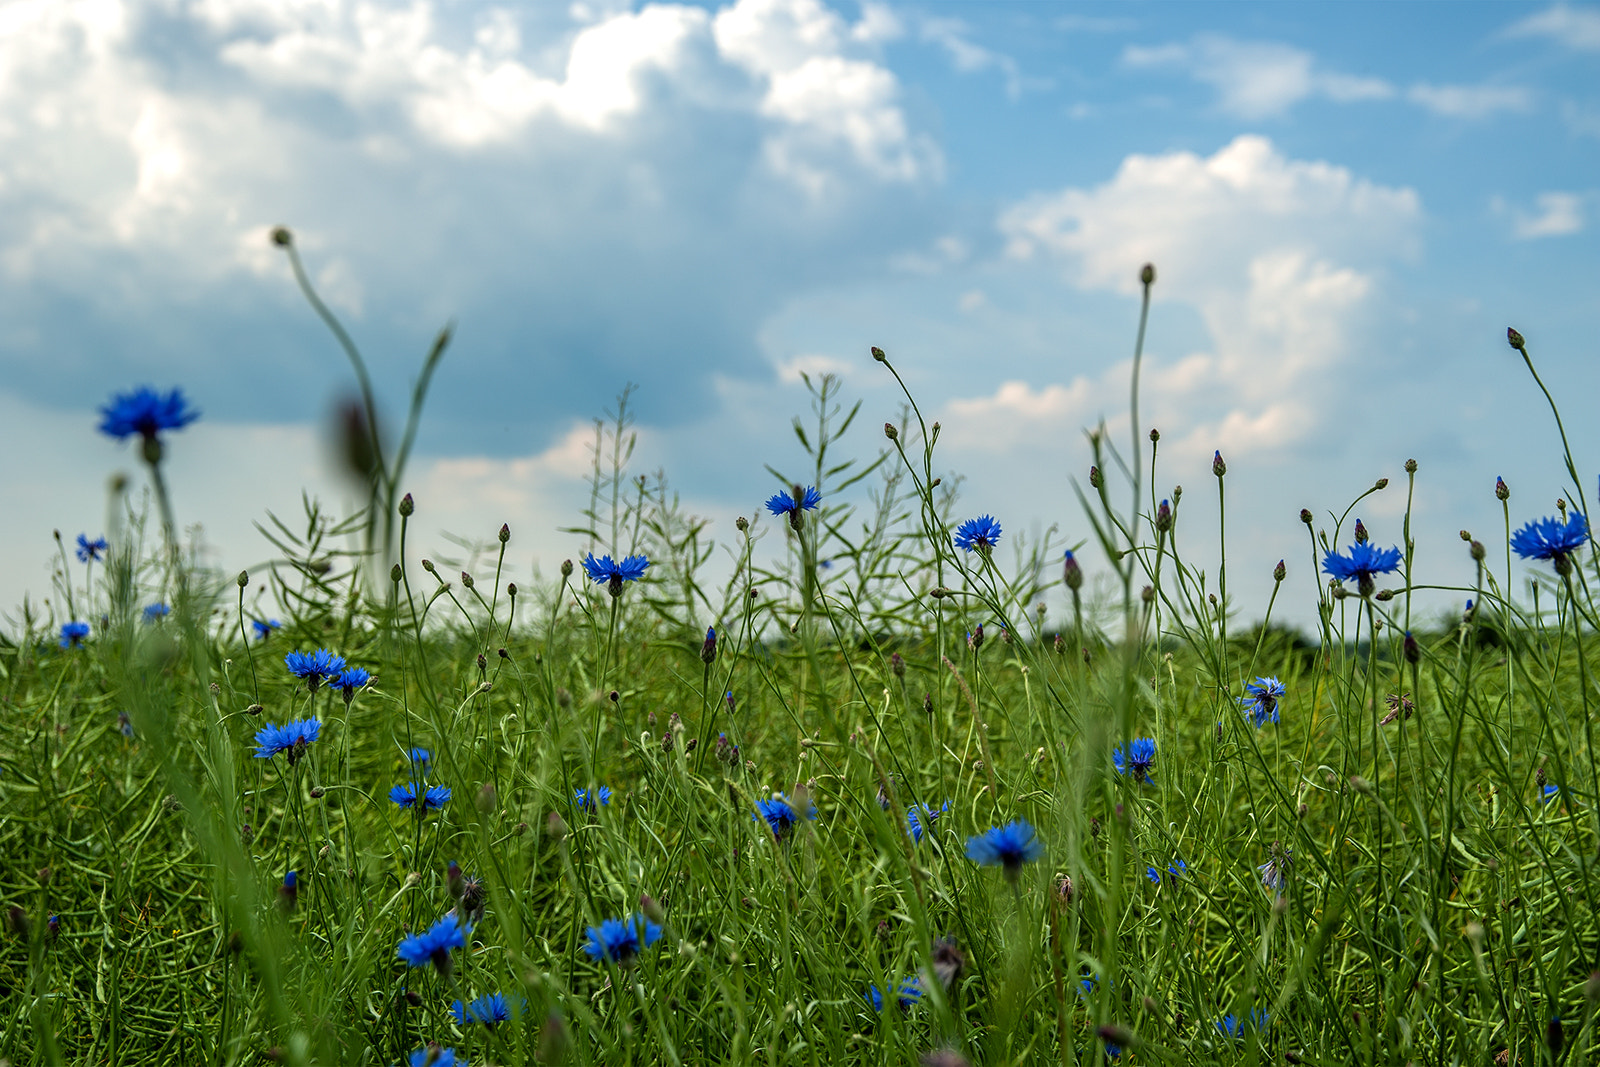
(1347, 205)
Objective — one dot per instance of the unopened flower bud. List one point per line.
(1164, 517)
(254, 709)
(243, 579)
(897, 664)
(1155, 435)
(741, 524)
(511, 590)
(1305, 516)
(877, 354)
(407, 506)
(1384, 595)
(708, 650)
(1477, 551)
(282, 237)
(1279, 572)
(890, 432)
(1411, 466)
(1361, 533)
(927, 703)
(1381, 483)
(1514, 339)
(1148, 594)
(1500, 490)
(466, 579)
(1413, 654)
(317, 792)
(1218, 466)
(652, 910)
(1094, 477)
(428, 566)
(1071, 573)
(1147, 274)
(395, 574)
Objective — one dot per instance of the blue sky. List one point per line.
(1347, 204)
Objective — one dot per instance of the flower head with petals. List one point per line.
(291, 739)
(413, 796)
(73, 633)
(921, 817)
(313, 666)
(1550, 538)
(488, 1010)
(156, 612)
(433, 1056)
(806, 499)
(620, 940)
(586, 800)
(264, 627)
(781, 815)
(1260, 701)
(980, 534)
(1136, 759)
(433, 945)
(89, 551)
(1008, 847)
(1361, 564)
(631, 569)
(145, 412)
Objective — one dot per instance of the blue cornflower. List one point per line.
(1231, 1025)
(1549, 793)
(487, 1010)
(264, 627)
(792, 503)
(1177, 868)
(349, 680)
(145, 412)
(423, 799)
(920, 817)
(289, 892)
(1551, 539)
(603, 569)
(583, 800)
(619, 940)
(982, 533)
(1008, 846)
(1275, 872)
(73, 633)
(909, 993)
(291, 738)
(1136, 758)
(780, 814)
(1260, 701)
(1112, 1051)
(1153, 874)
(155, 612)
(1364, 561)
(89, 551)
(313, 666)
(420, 758)
(434, 1056)
(434, 945)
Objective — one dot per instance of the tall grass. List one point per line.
(1401, 868)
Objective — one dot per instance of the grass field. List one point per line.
(799, 843)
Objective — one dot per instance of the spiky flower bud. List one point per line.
(428, 566)
(975, 638)
(1361, 533)
(1384, 595)
(1514, 339)
(741, 524)
(511, 590)
(1500, 490)
(1411, 466)
(505, 532)
(1381, 483)
(1305, 516)
(1218, 466)
(407, 506)
(1279, 572)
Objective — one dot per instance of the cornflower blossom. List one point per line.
(412, 796)
(434, 944)
(349, 680)
(781, 815)
(264, 627)
(89, 551)
(1260, 701)
(619, 940)
(1136, 759)
(145, 412)
(1552, 539)
(1363, 562)
(313, 666)
(73, 633)
(907, 995)
(292, 739)
(794, 504)
(920, 817)
(431, 1055)
(1009, 847)
(584, 800)
(980, 534)
(488, 1010)
(631, 569)
(156, 612)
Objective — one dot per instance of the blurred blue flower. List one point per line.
(780, 814)
(784, 503)
(313, 666)
(434, 945)
(125, 724)
(1153, 874)
(980, 533)
(434, 1056)
(89, 551)
(264, 627)
(145, 412)
(1550, 538)
(412, 795)
(1275, 872)
(1231, 1025)
(1549, 793)
(73, 633)
(488, 1010)
(290, 738)
(583, 800)
(1260, 701)
(909, 993)
(920, 817)
(1364, 561)
(1008, 846)
(155, 612)
(1136, 758)
(619, 940)
(1177, 868)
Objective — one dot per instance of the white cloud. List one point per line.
(1275, 254)
(1557, 215)
(1470, 101)
(1256, 79)
(969, 57)
(1574, 27)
